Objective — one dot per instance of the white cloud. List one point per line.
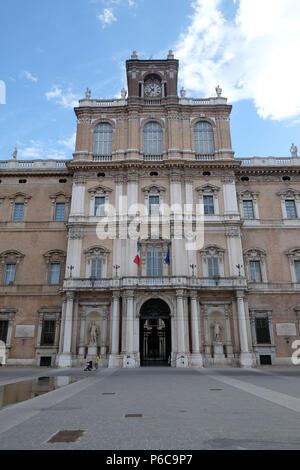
(46, 150)
(29, 76)
(66, 100)
(107, 16)
(255, 56)
(69, 143)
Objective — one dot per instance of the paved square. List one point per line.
(177, 409)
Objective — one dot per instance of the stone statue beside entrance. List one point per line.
(217, 331)
(93, 333)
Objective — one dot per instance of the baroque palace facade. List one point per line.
(96, 259)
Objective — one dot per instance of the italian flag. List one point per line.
(137, 259)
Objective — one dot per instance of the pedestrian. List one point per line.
(97, 362)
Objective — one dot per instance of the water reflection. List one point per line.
(22, 391)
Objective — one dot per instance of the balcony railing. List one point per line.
(153, 158)
(102, 158)
(205, 156)
(155, 282)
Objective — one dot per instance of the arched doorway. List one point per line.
(155, 333)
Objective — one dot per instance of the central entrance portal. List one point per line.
(155, 333)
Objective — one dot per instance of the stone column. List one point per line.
(82, 334)
(129, 359)
(245, 356)
(207, 339)
(78, 197)
(235, 251)
(74, 252)
(181, 358)
(114, 358)
(196, 359)
(230, 199)
(65, 358)
(229, 348)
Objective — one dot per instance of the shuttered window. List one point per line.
(18, 212)
(153, 139)
(262, 331)
(213, 266)
(10, 273)
(297, 270)
(204, 138)
(208, 202)
(48, 333)
(255, 271)
(154, 263)
(103, 138)
(60, 211)
(97, 268)
(248, 210)
(54, 273)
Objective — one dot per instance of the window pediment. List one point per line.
(248, 194)
(289, 193)
(20, 197)
(102, 190)
(293, 254)
(60, 195)
(207, 189)
(12, 256)
(253, 254)
(55, 256)
(154, 189)
(96, 251)
(212, 250)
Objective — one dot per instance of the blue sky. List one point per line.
(51, 50)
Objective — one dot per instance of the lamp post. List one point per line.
(193, 266)
(116, 267)
(70, 269)
(239, 266)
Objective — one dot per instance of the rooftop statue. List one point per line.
(294, 151)
(88, 94)
(182, 92)
(218, 91)
(14, 155)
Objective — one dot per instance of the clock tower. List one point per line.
(152, 79)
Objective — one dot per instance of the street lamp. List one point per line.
(70, 268)
(193, 266)
(116, 267)
(239, 266)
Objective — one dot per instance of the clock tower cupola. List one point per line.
(152, 79)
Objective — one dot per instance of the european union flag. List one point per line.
(167, 258)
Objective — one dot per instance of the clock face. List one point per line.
(152, 89)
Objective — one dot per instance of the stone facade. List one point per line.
(70, 233)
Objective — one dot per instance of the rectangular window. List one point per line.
(60, 208)
(154, 263)
(3, 330)
(54, 273)
(213, 267)
(48, 333)
(10, 273)
(255, 271)
(153, 205)
(97, 268)
(248, 210)
(262, 331)
(208, 202)
(99, 206)
(18, 212)
(291, 212)
(297, 270)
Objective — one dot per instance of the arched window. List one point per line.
(204, 138)
(153, 139)
(103, 136)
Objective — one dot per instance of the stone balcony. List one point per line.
(165, 282)
(110, 103)
(21, 165)
(269, 161)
